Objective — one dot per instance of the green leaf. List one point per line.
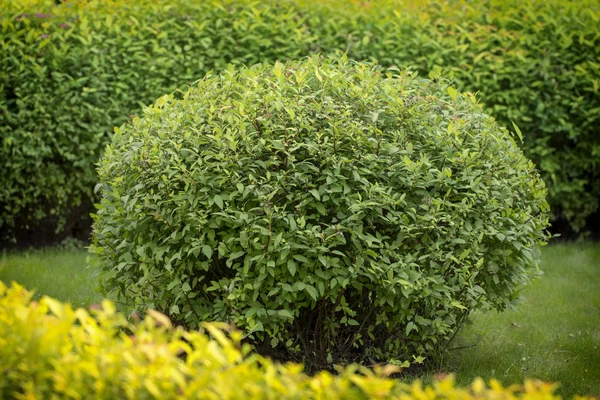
(464, 254)
(291, 265)
(277, 239)
(173, 283)
(458, 305)
(301, 258)
(207, 251)
(285, 314)
(323, 260)
(141, 250)
(518, 131)
(236, 255)
(315, 193)
(312, 292)
(452, 92)
(321, 208)
(410, 327)
(319, 77)
(218, 201)
(257, 327)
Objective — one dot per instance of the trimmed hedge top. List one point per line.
(49, 350)
(333, 211)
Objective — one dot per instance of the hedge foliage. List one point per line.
(74, 71)
(49, 350)
(331, 210)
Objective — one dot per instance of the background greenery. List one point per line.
(74, 71)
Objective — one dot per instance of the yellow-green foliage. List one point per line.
(49, 350)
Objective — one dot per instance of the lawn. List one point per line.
(62, 274)
(554, 335)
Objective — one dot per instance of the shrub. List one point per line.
(75, 70)
(334, 212)
(49, 350)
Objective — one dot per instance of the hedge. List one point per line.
(332, 210)
(71, 72)
(49, 350)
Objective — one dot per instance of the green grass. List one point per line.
(62, 274)
(554, 335)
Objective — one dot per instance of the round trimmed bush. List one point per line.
(334, 211)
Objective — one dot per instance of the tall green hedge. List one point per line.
(71, 72)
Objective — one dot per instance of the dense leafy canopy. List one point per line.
(333, 211)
